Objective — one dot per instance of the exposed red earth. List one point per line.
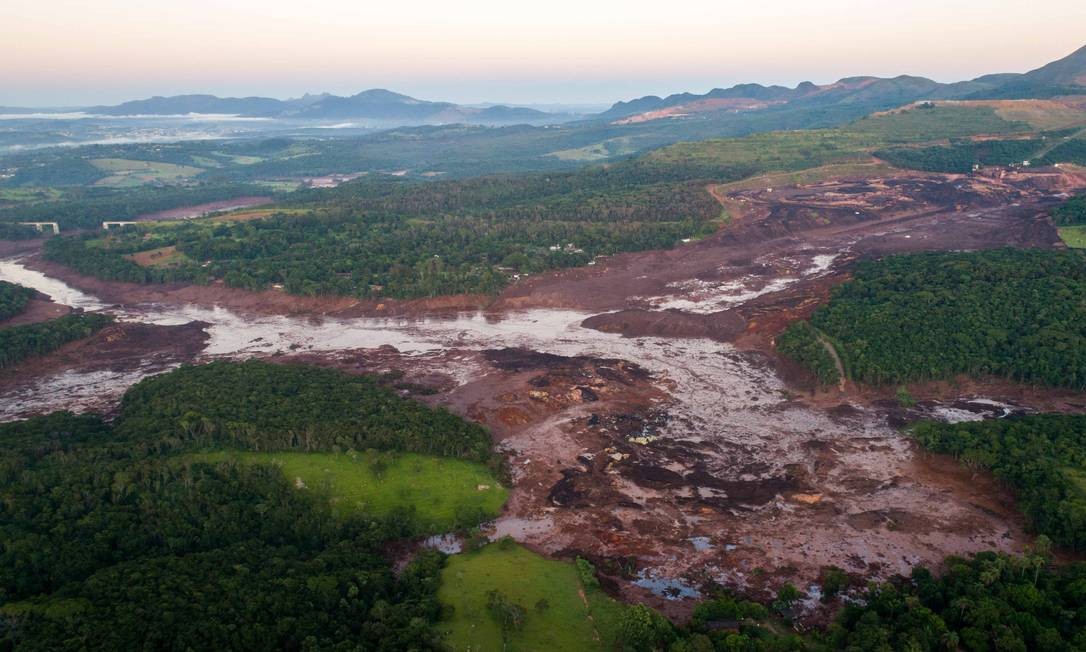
(40, 308)
(663, 439)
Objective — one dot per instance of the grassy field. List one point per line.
(439, 489)
(160, 257)
(573, 618)
(851, 144)
(1078, 477)
(1074, 236)
(810, 175)
(621, 146)
(28, 195)
(126, 173)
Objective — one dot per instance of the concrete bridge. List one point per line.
(41, 226)
(107, 225)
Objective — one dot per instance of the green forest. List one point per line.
(259, 406)
(13, 231)
(1008, 312)
(128, 534)
(374, 239)
(87, 208)
(801, 344)
(139, 544)
(13, 299)
(962, 154)
(1072, 212)
(18, 343)
(1042, 457)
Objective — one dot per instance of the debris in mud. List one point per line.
(669, 588)
(722, 326)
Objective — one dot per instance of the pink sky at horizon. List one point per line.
(62, 52)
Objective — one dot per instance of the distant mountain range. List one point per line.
(1066, 76)
(374, 106)
(805, 105)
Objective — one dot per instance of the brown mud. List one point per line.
(119, 352)
(686, 453)
(40, 308)
(861, 216)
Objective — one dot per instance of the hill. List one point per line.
(1067, 76)
(377, 105)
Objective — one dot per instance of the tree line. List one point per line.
(1071, 212)
(17, 343)
(1015, 313)
(87, 208)
(13, 299)
(115, 537)
(1043, 457)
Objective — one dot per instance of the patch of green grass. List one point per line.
(919, 123)
(279, 186)
(206, 161)
(129, 173)
(1077, 478)
(573, 618)
(445, 493)
(29, 195)
(612, 147)
(1074, 236)
(851, 144)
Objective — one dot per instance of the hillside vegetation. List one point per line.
(17, 343)
(169, 529)
(13, 299)
(1008, 312)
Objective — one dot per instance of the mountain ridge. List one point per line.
(375, 104)
(1066, 76)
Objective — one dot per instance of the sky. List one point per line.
(77, 53)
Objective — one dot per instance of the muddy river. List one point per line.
(729, 475)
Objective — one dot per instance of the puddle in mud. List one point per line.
(450, 544)
(701, 544)
(668, 588)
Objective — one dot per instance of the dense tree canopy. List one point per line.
(13, 299)
(801, 343)
(396, 239)
(113, 537)
(20, 342)
(258, 406)
(962, 154)
(1008, 312)
(87, 208)
(1071, 212)
(990, 602)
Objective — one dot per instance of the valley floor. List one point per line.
(647, 423)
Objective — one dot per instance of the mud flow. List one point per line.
(646, 422)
